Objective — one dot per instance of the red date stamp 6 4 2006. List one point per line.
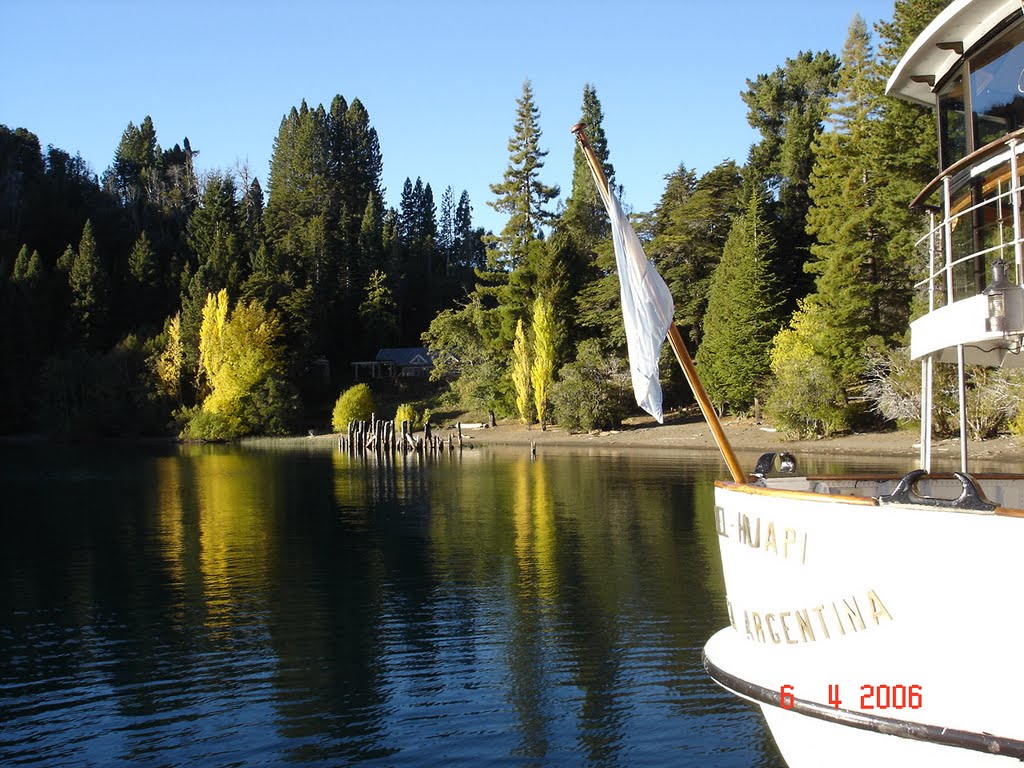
(871, 697)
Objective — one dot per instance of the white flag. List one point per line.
(647, 309)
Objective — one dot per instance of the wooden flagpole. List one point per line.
(676, 340)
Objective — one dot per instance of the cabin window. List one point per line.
(952, 123)
(997, 87)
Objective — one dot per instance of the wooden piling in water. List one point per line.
(385, 436)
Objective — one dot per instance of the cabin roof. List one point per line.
(935, 51)
(401, 356)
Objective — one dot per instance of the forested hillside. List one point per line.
(150, 299)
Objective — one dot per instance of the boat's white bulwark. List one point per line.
(904, 621)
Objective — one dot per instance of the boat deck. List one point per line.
(994, 493)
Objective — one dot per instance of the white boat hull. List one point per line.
(805, 744)
(874, 634)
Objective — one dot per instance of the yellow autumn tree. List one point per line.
(211, 338)
(542, 372)
(521, 373)
(170, 361)
(807, 399)
(243, 366)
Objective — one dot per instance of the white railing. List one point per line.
(981, 201)
(986, 207)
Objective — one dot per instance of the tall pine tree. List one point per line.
(905, 146)
(742, 315)
(849, 253)
(691, 224)
(90, 292)
(588, 290)
(521, 194)
(584, 216)
(788, 108)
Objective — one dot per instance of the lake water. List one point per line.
(214, 606)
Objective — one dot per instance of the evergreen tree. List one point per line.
(598, 303)
(427, 227)
(29, 273)
(142, 267)
(89, 291)
(65, 260)
(215, 233)
(584, 216)
(360, 167)
(179, 188)
(742, 315)
(297, 212)
(788, 107)
(21, 182)
(23, 315)
(876, 160)
(325, 167)
(420, 267)
(850, 251)
(582, 227)
(470, 250)
(353, 172)
(135, 163)
(26, 266)
(521, 194)
(143, 280)
(691, 224)
(446, 230)
(371, 243)
(408, 208)
(340, 210)
(905, 146)
(378, 313)
(251, 213)
(506, 284)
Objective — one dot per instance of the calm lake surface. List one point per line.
(213, 606)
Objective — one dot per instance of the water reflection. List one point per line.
(215, 606)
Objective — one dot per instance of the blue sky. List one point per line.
(439, 78)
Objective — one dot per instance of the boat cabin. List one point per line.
(969, 65)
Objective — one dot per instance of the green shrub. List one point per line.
(207, 426)
(807, 399)
(592, 392)
(354, 404)
(808, 402)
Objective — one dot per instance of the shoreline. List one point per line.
(744, 435)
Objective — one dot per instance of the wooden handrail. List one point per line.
(992, 148)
